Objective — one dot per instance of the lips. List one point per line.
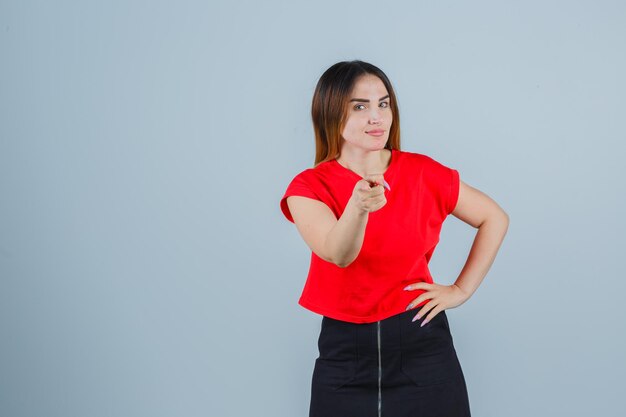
(376, 133)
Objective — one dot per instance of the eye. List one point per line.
(386, 105)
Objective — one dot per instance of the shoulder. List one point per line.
(431, 171)
(317, 176)
(310, 176)
(311, 183)
(417, 157)
(315, 180)
(304, 174)
(419, 161)
(304, 180)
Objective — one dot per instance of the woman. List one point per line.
(371, 215)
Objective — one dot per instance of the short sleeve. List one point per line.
(445, 185)
(298, 186)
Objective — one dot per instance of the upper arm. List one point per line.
(474, 207)
(314, 220)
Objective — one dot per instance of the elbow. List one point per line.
(343, 263)
(498, 216)
(501, 219)
(506, 222)
(331, 256)
(340, 256)
(505, 218)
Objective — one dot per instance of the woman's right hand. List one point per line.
(368, 194)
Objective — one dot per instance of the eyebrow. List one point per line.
(367, 101)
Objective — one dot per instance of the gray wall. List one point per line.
(145, 266)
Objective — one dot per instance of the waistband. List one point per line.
(341, 340)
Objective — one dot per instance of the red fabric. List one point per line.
(399, 241)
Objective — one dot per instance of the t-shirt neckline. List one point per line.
(392, 163)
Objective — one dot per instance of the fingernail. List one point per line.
(414, 318)
(407, 288)
(387, 186)
(423, 323)
(408, 307)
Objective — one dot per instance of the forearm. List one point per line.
(345, 239)
(483, 252)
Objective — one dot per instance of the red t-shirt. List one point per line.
(399, 240)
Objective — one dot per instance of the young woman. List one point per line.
(371, 215)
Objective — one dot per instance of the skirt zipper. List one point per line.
(379, 374)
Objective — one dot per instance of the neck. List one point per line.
(365, 162)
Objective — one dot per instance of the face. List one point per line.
(369, 109)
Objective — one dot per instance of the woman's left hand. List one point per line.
(441, 297)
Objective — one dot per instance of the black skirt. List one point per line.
(389, 368)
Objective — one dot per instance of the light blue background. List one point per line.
(145, 266)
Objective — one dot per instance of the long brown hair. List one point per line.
(330, 105)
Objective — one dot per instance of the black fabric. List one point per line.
(420, 372)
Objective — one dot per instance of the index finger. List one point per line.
(377, 179)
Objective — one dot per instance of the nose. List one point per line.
(375, 117)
